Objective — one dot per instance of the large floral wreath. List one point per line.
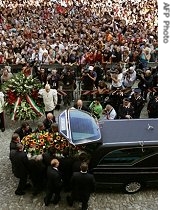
(21, 97)
(38, 143)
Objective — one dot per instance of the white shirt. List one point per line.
(1, 102)
(49, 99)
(111, 115)
(129, 81)
(119, 83)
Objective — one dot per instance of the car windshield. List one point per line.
(79, 127)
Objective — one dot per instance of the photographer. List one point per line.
(89, 77)
(68, 79)
(109, 112)
(129, 77)
(35, 61)
(117, 79)
(42, 76)
(145, 83)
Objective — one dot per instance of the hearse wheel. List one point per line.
(133, 187)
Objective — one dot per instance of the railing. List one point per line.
(18, 67)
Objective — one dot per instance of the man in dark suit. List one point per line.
(24, 130)
(152, 107)
(138, 102)
(37, 173)
(126, 110)
(40, 128)
(50, 118)
(83, 184)
(79, 105)
(54, 183)
(20, 168)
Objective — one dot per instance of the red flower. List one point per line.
(11, 97)
(34, 94)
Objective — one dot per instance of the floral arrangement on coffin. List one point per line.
(38, 143)
(21, 97)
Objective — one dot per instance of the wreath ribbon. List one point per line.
(18, 101)
(33, 105)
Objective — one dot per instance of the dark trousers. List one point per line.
(82, 198)
(49, 195)
(22, 184)
(2, 121)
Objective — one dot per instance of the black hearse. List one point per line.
(125, 152)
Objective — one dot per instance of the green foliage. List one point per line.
(25, 112)
(21, 86)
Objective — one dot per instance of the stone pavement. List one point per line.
(143, 200)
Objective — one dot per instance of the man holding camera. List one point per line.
(89, 77)
(68, 79)
(129, 77)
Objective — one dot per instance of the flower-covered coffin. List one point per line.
(38, 143)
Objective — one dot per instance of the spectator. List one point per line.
(88, 80)
(54, 80)
(129, 77)
(96, 108)
(117, 79)
(2, 59)
(6, 75)
(2, 121)
(145, 83)
(68, 80)
(109, 112)
(42, 76)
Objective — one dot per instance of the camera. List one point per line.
(86, 70)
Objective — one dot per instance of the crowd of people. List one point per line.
(108, 41)
(106, 45)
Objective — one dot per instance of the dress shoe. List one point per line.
(2, 129)
(28, 186)
(19, 193)
(46, 202)
(69, 201)
(56, 201)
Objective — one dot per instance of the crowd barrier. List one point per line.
(18, 67)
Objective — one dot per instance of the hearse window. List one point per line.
(126, 156)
